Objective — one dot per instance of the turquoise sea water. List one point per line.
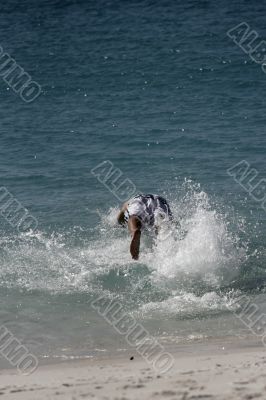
(160, 90)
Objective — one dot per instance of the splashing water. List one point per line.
(198, 255)
(207, 251)
(182, 275)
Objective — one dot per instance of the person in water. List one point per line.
(140, 212)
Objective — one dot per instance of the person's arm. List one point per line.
(134, 226)
(121, 215)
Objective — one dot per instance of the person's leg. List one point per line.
(164, 206)
(134, 226)
(163, 215)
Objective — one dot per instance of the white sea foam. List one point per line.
(186, 304)
(202, 251)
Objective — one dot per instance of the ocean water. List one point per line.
(159, 90)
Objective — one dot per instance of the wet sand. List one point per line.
(231, 374)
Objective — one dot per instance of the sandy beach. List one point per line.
(237, 374)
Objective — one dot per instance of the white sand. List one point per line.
(229, 375)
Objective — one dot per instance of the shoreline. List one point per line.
(227, 374)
